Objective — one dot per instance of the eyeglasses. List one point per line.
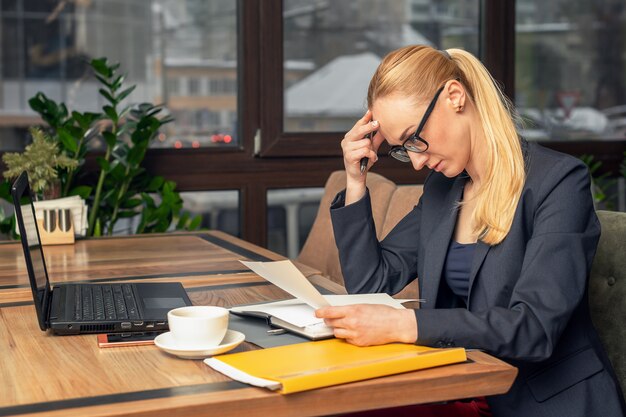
(415, 143)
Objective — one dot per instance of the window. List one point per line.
(331, 50)
(160, 44)
(193, 87)
(290, 215)
(329, 53)
(219, 209)
(570, 69)
(173, 87)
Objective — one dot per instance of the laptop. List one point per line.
(75, 308)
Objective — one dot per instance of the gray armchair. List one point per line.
(607, 290)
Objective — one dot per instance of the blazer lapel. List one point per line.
(438, 242)
(479, 256)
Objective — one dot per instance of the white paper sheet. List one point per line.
(285, 275)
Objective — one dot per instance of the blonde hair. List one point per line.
(418, 71)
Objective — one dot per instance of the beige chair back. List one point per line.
(320, 250)
(389, 205)
(403, 200)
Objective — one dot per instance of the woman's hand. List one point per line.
(356, 146)
(370, 324)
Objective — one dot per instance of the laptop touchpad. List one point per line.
(162, 302)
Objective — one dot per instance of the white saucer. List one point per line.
(166, 342)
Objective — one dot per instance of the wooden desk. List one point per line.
(71, 376)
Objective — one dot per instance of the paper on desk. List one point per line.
(286, 276)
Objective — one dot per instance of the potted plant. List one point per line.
(42, 159)
(124, 189)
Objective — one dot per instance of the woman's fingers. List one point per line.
(330, 312)
(358, 144)
(366, 117)
(364, 131)
(343, 333)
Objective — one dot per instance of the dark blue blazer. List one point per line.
(527, 296)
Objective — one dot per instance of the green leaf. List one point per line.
(109, 138)
(136, 155)
(127, 214)
(63, 113)
(124, 112)
(125, 93)
(104, 81)
(100, 66)
(110, 111)
(131, 203)
(97, 229)
(166, 120)
(108, 96)
(80, 119)
(49, 110)
(118, 82)
(155, 184)
(118, 172)
(84, 191)
(37, 103)
(68, 141)
(182, 221)
(154, 111)
(104, 164)
(195, 223)
(169, 186)
(109, 196)
(145, 107)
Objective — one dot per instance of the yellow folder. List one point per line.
(310, 365)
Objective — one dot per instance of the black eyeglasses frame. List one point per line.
(415, 143)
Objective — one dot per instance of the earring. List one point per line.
(459, 109)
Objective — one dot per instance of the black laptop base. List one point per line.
(148, 313)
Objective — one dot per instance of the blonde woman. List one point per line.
(502, 239)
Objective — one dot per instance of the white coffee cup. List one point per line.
(198, 326)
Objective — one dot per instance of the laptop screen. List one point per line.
(33, 253)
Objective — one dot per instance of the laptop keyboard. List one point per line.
(104, 302)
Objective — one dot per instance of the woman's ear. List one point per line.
(456, 95)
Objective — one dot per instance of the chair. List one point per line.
(389, 204)
(607, 290)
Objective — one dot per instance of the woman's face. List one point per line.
(446, 130)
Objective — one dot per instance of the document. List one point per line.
(286, 276)
(328, 362)
(298, 315)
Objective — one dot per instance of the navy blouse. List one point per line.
(458, 267)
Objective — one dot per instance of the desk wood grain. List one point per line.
(70, 376)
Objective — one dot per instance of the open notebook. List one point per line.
(298, 315)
